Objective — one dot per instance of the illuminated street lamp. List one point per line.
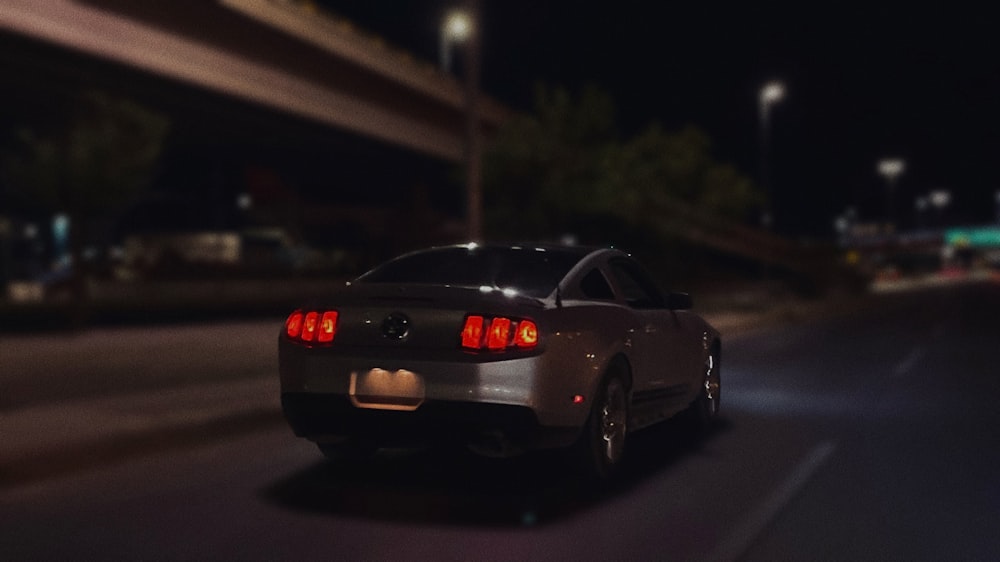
(940, 199)
(890, 169)
(842, 226)
(244, 201)
(770, 94)
(459, 27)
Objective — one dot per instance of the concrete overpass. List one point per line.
(280, 55)
(275, 54)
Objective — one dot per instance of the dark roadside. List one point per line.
(176, 364)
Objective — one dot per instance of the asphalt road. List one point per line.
(869, 436)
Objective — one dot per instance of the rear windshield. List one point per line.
(529, 271)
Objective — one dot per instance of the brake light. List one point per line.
(293, 326)
(526, 335)
(498, 333)
(312, 326)
(309, 327)
(327, 326)
(472, 333)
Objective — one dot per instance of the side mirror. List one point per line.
(679, 301)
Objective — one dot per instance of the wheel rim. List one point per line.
(713, 385)
(613, 420)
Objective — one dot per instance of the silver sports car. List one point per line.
(501, 348)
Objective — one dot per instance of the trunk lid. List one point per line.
(376, 315)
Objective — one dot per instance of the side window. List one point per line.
(637, 289)
(595, 286)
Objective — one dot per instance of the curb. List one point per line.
(54, 439)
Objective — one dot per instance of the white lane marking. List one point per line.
(740, 540)
(909, 362)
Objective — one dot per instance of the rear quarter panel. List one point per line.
(581, 339)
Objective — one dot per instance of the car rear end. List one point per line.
(395, 365)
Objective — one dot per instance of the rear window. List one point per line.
(529, 271)
(595, 286)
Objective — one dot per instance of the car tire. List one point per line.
(601, 447)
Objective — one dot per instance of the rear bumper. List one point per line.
(538, 382)
(492, 428)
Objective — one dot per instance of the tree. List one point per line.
(545, 170)
(89, 165)
(563, 169)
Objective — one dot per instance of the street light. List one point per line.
(890, 169)
(940, 199)
(843, 224)
(770, 94)
(459, 26)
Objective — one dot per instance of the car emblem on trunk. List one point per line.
(396, 326)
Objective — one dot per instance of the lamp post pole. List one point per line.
(460, 26)
(770, 94)
(474, 175)
(920, 206)
(940, 199)
(890, 169)
(456, 28)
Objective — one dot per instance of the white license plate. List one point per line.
(387, 390)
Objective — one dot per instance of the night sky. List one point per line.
(915, 81)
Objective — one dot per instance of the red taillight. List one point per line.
(327, 326)
(526, 335)
(309, 326)
(293, 326)
(472, 332)
(312, 326)
(498, 333)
